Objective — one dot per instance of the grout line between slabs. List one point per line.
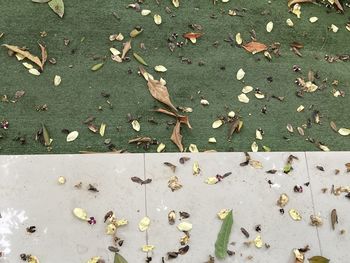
(145, 187)
(313, 201)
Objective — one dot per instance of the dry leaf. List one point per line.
(254, 47)
(126, 48)
(176, 136)
(160, 92)
(43, 54)
(25, 54)
(183, 119)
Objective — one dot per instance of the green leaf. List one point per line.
(46, 135)
(97, 66)
(57, 6)
(140, 59)
(119, 259)
(287, 168)
(223, 237)
(318, 259)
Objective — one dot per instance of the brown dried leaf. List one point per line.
(43, 54)
(127, 47)
(334, 218)
(254, 47)
(176, 136)
(339, 6)
(26, 54)
(160, 92)
(333, 126)
(183, 119)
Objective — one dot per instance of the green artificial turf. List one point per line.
(88, 24)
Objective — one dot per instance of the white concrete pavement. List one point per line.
(30, 195)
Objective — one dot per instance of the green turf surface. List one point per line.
(79, 95)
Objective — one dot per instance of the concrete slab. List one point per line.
(30, 195)
(334, 244)
(246, 191)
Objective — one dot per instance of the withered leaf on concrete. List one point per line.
(172, 166)
(334, 218)
(138, 180)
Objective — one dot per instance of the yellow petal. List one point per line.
(144, 224)
(80, 213)
(223, 213)
(294, 214)
(258, 242)
(184, 226)
(147, 248)
(211, 180)
(216, 124)
(195, 168)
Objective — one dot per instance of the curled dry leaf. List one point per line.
(254, 47)
(126, 48)
(174, 183)
(176, 136)
(43, 54)
(25, 54)
(183, 119)
(283, 200)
